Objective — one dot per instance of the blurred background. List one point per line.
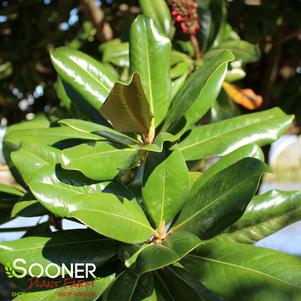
(265, 36)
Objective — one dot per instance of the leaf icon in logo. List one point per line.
(9, 270)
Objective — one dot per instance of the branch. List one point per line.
(196, 47)
(295, 34)
(17, 229)
(104, 32)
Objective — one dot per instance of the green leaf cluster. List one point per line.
(125, 172)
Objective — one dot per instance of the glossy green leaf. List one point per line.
(88, 77)
(193, 177)
(221, 200)
(212, 14)
(166, 189)
(130, 287)
(116, 52)
(199, 91)
(249, 150)
(265, 215)
(180, 69)
(242, 50)
(75, 104)
(115, 217)
(127, 107)
(9, 195)
(28, 208)
(98, 129)
(82, 293)
(10, 189)
(177, 84)
(223, 137)
(150, 57)
(40, 121)
(10, 144)
(235, 74)
(99, 161)
(159, 11)
(53, 187)
(173, 249)
(132, 257)
(36, 155)
(223, 108)
(178, 57)
(48, 136)
(158, 143)
(241, 272)
(69, 246)
(176, 283)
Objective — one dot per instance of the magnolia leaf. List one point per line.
(100, 161)
(127, 108)
(176, 283)
(221, 138)
(159, 11)
(98, 129)
(102, 212)
(171, 192)
(221, 200)
(265, 215)
(199, 91)
(150, 57)
(246, 272)
(130, 287)
(89, 78)
(249, 150)
(37, 156)
(173, 249)
(54, 187)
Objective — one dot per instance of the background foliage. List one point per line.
(29, 29)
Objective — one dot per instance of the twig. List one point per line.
(289, 37)
(17, 229)
(271, 72)
(196, 47)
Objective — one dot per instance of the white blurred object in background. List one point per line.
(2, 133)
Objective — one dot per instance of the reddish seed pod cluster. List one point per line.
(185, 13)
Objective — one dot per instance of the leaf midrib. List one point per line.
(149, 75)
(111, 214)
(206, 83)
(185, 281)
(201, 92)
(65, 187)
(212, 203)
(165, 286)
(245, 268)
(61, 244)
(163, 194)
(132, 113)
(100, 130)
(231, 131)
(95, 154)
